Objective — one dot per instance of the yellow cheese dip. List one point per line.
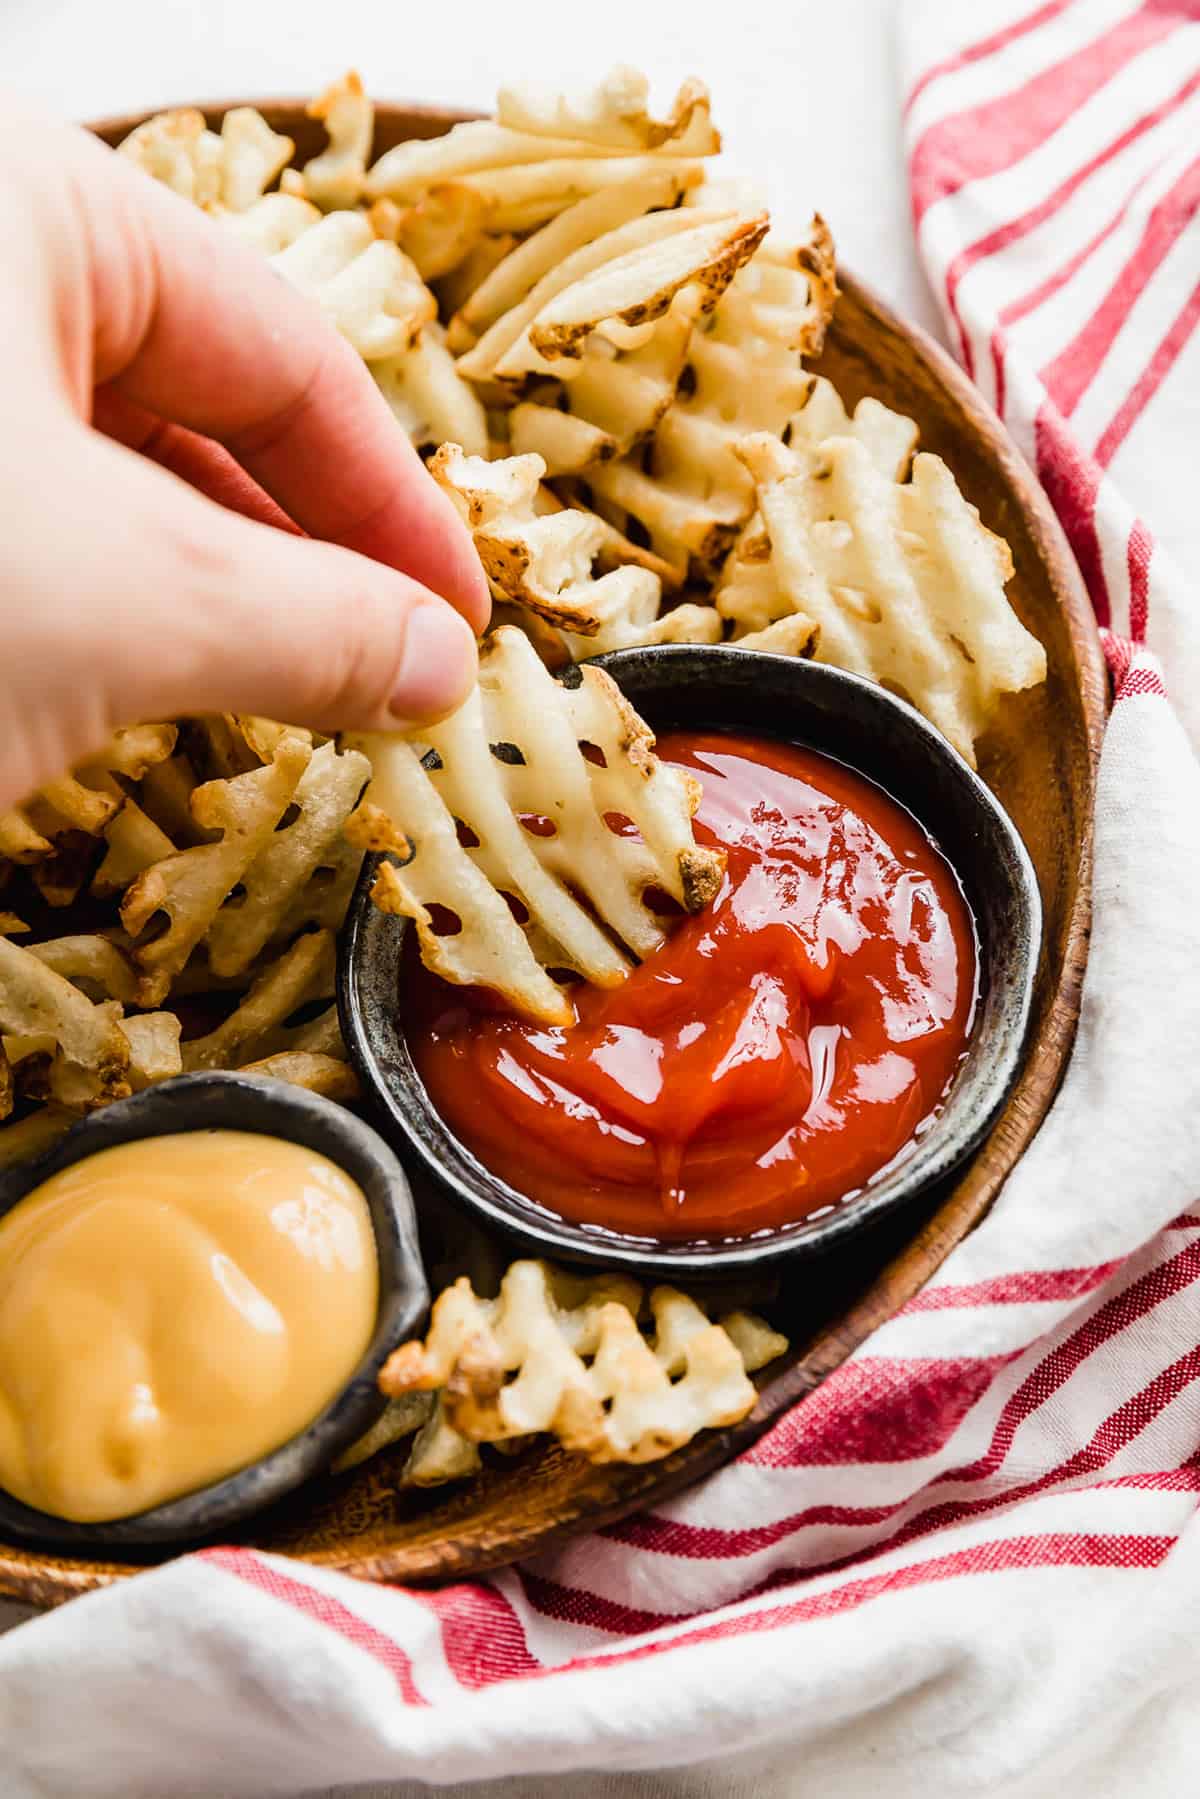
(172, 1310)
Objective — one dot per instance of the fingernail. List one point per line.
(437, 665)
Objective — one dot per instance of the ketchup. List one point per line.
(778, 1052)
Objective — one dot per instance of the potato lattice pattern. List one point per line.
(502, 812)
(575, 1356)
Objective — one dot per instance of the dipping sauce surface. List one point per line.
(782, 1048)
(172, 1310)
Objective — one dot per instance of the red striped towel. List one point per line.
(971, 1557)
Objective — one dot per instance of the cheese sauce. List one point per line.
(782, 1048)
(172, 1310)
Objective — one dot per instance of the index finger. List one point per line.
(219, 343)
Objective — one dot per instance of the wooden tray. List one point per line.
(1041, 762)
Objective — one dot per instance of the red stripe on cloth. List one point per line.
(1045, 290)
(874, 1409)
(1003, 235)
(671, 1537)
(989, 138)
(1073, 370)
(1118, 654)
(1139, 552)
(324, 1609)
(1047, 1284)
(482, 1637)
(1150, 380)
(988, 46)
(1055, 1549)
(1141, 683)
(1072, 481)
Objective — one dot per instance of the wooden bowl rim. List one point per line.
(986, 1172)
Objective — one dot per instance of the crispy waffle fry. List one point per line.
(369, 289)
(748, 593)
(323, 798)
(482, 146)
(542, 561)
(565, 1354)
(230, 169)
(514, 276)
(153, 1048)
(255, 1028)
(613, 115)
(903, 581)
(43, 1013)
(692, 496)
(20, 840)
(102, 968)
(429, 397)
(512, 751)
(274, 222)
(191, 886)
(335, 178)
(439, 231)
(323, 1074)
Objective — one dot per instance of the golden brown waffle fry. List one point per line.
(612, 115)
(565, 1354)
(513, 751)
(191, 886)
(323, 799)
(335, 177)
(230, 169)
(369, 289)
(153, 1048)
(302, 974)
(20, 840)
(274, 222)
(903, 581)
(542, 561)
(439, 231)
(41, 1012)
(323, 1074)
(101, 967)
(688, 491)
(514, 277)
(485, 147)
(429, 398)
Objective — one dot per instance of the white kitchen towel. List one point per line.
(968, 1564)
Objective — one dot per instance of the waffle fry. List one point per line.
(429, 398)
(542, 562)
(323, 1074)
(612, 115)
(335, 177)
(564, 1354)
(191, 886)
(513, 750)
(228, 170)
(43, 1014)
(439, 231)
(692, 495)
(483, 147)
(255, 1029)
(903, 581)
(369, 288)
(748, 593)
(274, 222)
(324, 796)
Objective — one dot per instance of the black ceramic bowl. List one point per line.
(858, 723)
(234, 1102)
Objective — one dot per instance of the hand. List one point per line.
(173, 412)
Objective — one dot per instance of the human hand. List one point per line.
(150, 361)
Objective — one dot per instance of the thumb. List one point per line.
(159, 602)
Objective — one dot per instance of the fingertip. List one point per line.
(439, 663)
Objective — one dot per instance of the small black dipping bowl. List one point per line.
(718, 687)
(234, 1102)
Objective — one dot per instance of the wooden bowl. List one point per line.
(1041, 763)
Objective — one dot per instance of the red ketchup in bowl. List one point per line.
(784, 1046)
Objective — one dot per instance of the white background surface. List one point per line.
(805, 93)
